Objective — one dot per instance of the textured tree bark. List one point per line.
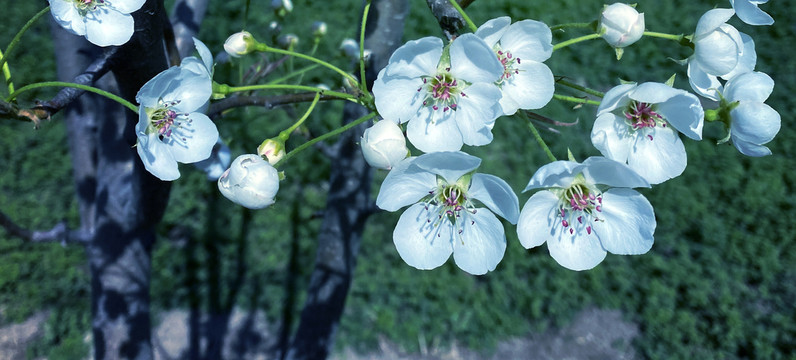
(348, 203)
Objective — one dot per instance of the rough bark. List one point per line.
(348, 203)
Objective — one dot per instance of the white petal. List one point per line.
(154, 89)
(536, 223)
(685, 113)
(496, 194)
(712, 20)
(440, 135)
(66, 15)
(397, 98)
(754, 122)
(422, 244)
(717, 53)
(531, 88)
(193, 140)
(612, 137)
(577, 252)
(451, 165)
(750, 149)
(205, 54)
(482, 243)
(157, 158)
(753, 86)
(492, 30)
(106, 26)
(126, 6)
(629, 222)
(404, 185)
(703, 83)
(659, 159)
(616, 97)
(600, 170)
(747, 60)
(192, 93)
(528, 40)
(749, 13)
(476, 112)
(415, 58)
(559, 173)
(473, 60)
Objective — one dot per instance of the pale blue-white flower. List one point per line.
(527, 83)
(170, 126)
(102, 22)
(383, 145)
(451, 211)
(749, 12)
(720, 50)
(250, 182)
(752, 122)
(447, 100)
(587, 210)
(621, 25)
(638, 124)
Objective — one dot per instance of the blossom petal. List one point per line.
(66, 15)
(616, 97)
(629, 222)
(750, 149)
(451, 165)
(421, 243)
(496, 194)
(192, 91)
(473, 60)
(415, 58)
(749, 12)
(482, 243)
(753, 86)
(611, 136)
(748, 59)
(492, 30)
(531, 88)
(154, 89)
(430, 136)
(575, 252)
(684, 112)
(193, 140)
(204, 54)
(106, 26)
(397, 98)
(536, 222)
(717, 53)
(660, 158)
(559, 173)
(157, 157)
(754, 122)
(703, 83)
(712, 20)
(476, 113)
(404, 185)
(528, 40)
(126, 6)
(600, 170)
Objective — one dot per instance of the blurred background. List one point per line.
(720, 281)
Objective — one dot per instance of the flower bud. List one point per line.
(250, 182)
(621, 25)
(318, 28)
(272, 149)
(239, 44)
(282, 6)
(384, 145)
(287, 41)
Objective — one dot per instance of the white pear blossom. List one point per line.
(521, 47)
(170, 127)
(239, 44)
(720, 50)
(384, 145)
(102, 22)
(449, 212)
(621, 25)
(581, 220)
(250, 182)
(749, 12)
(638, 124)
(449, 99)
(752, 123)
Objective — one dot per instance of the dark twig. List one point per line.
(59, 233)
(450, 21)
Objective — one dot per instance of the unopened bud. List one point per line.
(384, 145)
(288, 41)
(239, 44)
(282, 6)
(318, 28)
(621, 25)
(272, 149)
(250, 182)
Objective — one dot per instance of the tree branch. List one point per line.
(450, 21)
(268, 102)
(59, 233)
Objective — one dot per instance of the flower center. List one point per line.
(449, 202)
(442, 91)
(164, 119)
(508, 62)
(641, 115)
(84, 6)
(578, 204)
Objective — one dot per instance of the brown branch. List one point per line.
(450, 21)
(59, 233)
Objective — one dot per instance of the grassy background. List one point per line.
(719, 282)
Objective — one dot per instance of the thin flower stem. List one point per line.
(575, 41)
(226, 89)
(18, 36)
(362, 83)
(677, 38)
(570, 25)
(104, 93)
(7, 75)
(538, 137)
(285, 134)
(580, 88)
(576, 99)
(265, 48)
(466, 18)
(334, 132)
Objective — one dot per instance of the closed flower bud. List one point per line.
(318, 28)
(621, 25)
(239, 44)
(350, 48)
(384, 145)
(282, 5)
(250, 182)
(287, 41)
(272, 149)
